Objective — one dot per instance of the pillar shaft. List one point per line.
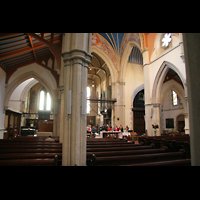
(2, 95)
(76, 63)
(192, 60)
(148, 106)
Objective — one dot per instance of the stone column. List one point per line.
(181, 47)
(76, 63)
(119, 107)
(192, 60)
(60, 112)
(156, 118)
(2, 95)
(187, 131)
(148, 103)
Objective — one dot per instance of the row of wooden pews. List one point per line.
(30, 151)
(174, 143)
(115, 152)
(150, 151)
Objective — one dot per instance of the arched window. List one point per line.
(174, 98)
(45, 100)
(41, 106)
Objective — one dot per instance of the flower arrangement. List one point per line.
(155, 126)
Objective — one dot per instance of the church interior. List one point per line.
(56, 85)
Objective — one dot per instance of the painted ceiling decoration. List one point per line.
(115, 39)
(118, 41)
(114, 44)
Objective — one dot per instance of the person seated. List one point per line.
(49, 139)
(121, 128)
(109, 129)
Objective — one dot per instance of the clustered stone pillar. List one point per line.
(2, 110)
(192, 60)
(76, 63)
(148, 103)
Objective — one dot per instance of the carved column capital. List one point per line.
(77, 56)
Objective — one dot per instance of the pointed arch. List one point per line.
(33, 73)
(104, 56)
(125, 57)
(139, 88)
(160, 76)
(178, 89)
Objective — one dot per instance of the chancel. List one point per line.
(104, 98)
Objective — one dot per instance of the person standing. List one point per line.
(93, 131)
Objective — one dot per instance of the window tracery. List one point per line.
(166, 40)
(45, 100)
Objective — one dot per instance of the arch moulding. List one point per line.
(19, 79)
(177, 88)
(126, 54)
(160, 76)
(113, 72)
(138, 89)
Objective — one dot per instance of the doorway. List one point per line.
(180, 124)
(138, 113)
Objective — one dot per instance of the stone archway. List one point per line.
(160, 76)
(19, 77)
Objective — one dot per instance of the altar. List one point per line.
(119, 134)
(106, 133)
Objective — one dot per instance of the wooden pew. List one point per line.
(101, 143)
(131, 152)
(30, 146)
(30, 151)
(8, 142)
(16, 156)
(37, 138)
(150, 139)
(173, 143)
(113, 145)
(135, 159)
(30, 162)
(123, 153)
(9, 156)
(180, 162)
(38, 150)
(120, 148)
(91, 140)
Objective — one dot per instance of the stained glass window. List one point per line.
(175, 98)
